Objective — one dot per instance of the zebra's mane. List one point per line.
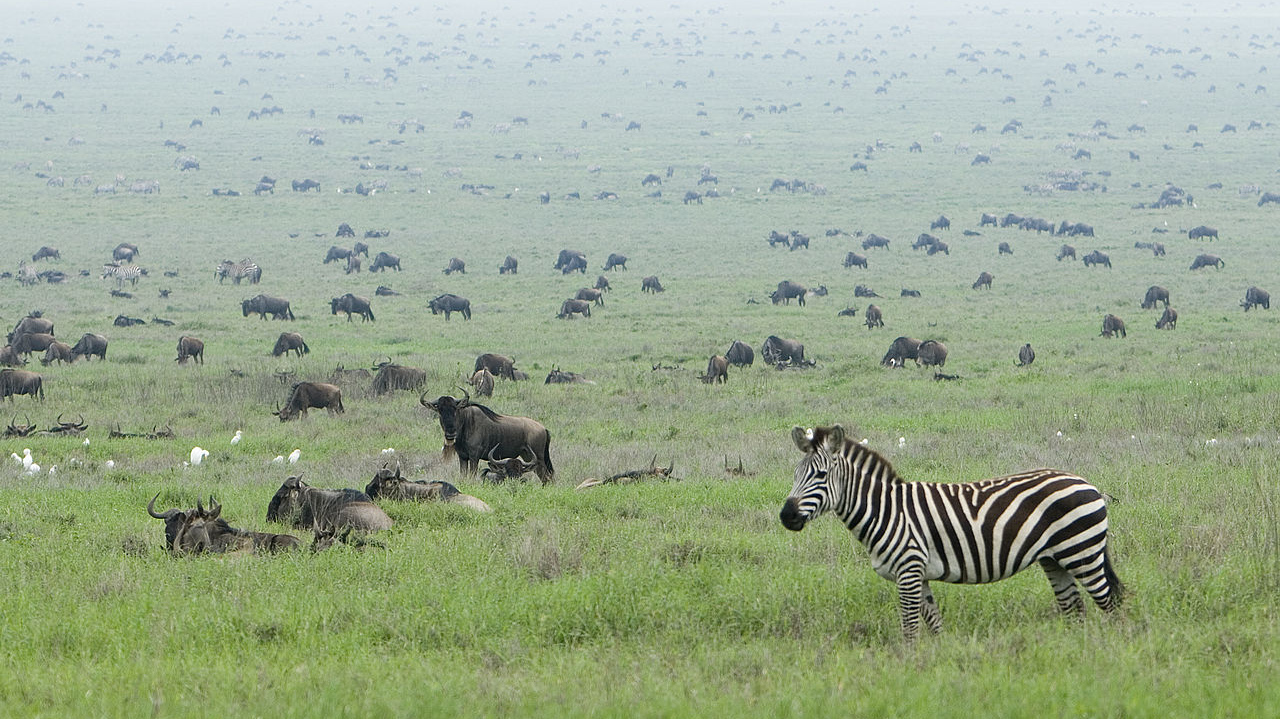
(862, 455)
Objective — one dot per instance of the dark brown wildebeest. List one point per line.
(988, 219)
(901, 350)
(89, 345)
(508, 266)
(20, 381)
(306, 395)
(299, 504)
(57, 352)
(1112, 325)
(942, 223)
(651, 284)
(125, 252)
(874, 240)
(9, 357)
(1004, 249)
(1096, 258)
(190, 348)
(456, 265)
(500, 470)
(390, 485)
(31, 342)
(984, 280)
(198, 530)
(937, 247)
(786, 290)
(342, 374)
(1256, 297)
(779, 238)
(778, 351)
(383, 261)
(591, 295)
(482, 382)
(740, 354)
(570, 260)
(559, 376)
(717, 370)
(46, 252)
(288, 341)
(304, 185)
(353, 263)
(615, 261)
(1155, 293)
(1203, 231)
(337, 253)
(498, 365)
(1026, 355)
(602, 284)
(1066, 251)
(1168, 320)
(263, 304)
(360, 248)
(854, 259)
(571, 307)
(392, 377)
(450, 303)
(344, 230)
(384, 291)
(352, 305)
(931, 353)
(32, 324)
(874, 317)
(1207, 261)
(477, 433)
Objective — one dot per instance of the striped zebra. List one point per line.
(969, 533)
(122, 274)
(244, 269)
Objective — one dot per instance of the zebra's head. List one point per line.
(810, 495)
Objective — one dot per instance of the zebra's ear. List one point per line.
(833, 437)
(803, 439)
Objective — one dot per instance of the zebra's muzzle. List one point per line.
(791, 516)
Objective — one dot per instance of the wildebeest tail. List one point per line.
(371, 317)
(305, 348)
(289, 312)
(546, 459)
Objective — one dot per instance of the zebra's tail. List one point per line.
(1115, 587)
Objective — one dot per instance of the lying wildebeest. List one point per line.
(590, 294)
(615, 261)
(902, 349)
(508, 266)
(942, 223)
(1112, 325)
(1097, 258)
(125, 252)
(571, 307)
(1201, 232)
(198, 530)
(89, 345)
(262, 304)
(299, 504)
(31, 342)
(1066, 251)
(383, 261)
(46, 252)
(456, 265)
(909, 293)
(20, 381)
(1207, 261)
(1004, 249)
(1026, 355)
(476, 433)
(384, 291)
(786, 290)
(306, 395)
(342, 374)
(854, 259)
(1155, 293)
(9, 357)
(57, 352)
(874, 317)
(394, 376)
(1256, 297)
(498, 365)
(570, 258)
(1168, 320)
(740, 354)
(984, 280)
(874, 240)
(352, 305)
(602, 284)
(559, 376)
(931, 353)
(450, 303)
(482, 382)
(390, 485)
(717, 370)
(776, 350)
(337, 253)
(651, 284)
(32, 324)
(125, 321)
(290, 341)
(500, 470)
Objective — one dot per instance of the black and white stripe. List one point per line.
(244, 269)
(968, 533)
(122, 274)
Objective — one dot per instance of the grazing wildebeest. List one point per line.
(1097, 258)
(352, 305)
(190, 348)
(390, 485)
(988, 219)
(263, 304)
(306, 395)
(353, 263)
(198, 530)
(1026, 355)
(477, 433)
(498, 365)
(1155, 293)
(717, 370)
(901, 350)
(937, 247)
(591, 294)
(508, 266)
(931, 353)
(1256, 297)
(385, 260)
(1269, 197)
(651, 284)
(874, 317)
(32, 324)
(740, 354)
(1112, 325)
(456, 265)
(1066, 251)
(874, 240)
(572, 307)
(778, 351)
(20, 381)
(1004, 249)
(450, 303)
(984, 280)
(482, 382)
(89, 345)
(786, 290)
(854, 259)
(46, 252)
(299, 504)
(924, 241)
(559, 376)
(1207, 261)
(360, 248)
(1168, 320)
(125, 252)
(29, 342)
(305, 185)
(942, 223)
(1202, 231)
(570, 258)
(392, 377)
(602, 284)
(290, 341)
(9, 357)
(615, 261)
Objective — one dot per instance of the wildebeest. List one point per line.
(939, 246)
(482, 382)
(854, 259)
(602, 284)
(1026, 355)
(290, 341)
(901, 350)
(778, 351)
(1203, 231)
(874, 317)
(651, 284)
(304, 185)
(1207, 261)
(392, 376)
(571, 307)
(353, 263)
(498, 365)
(615, 261)
(590, 294)
(125, 320)
(20, 381)
(559, 376)
(717, 370)
(29, 342)
(125, 252)
(46, 252)
(1004, 249)
(198, 530)
(692, 196)
(9, 357)
(1112, 325)
(740, 354)
(1066, 251)
(337, 253)
(189, 347)
(942, 223)
(786, 290)
(352, 305)
(924, 241)
(570, 260)
(1168, 320)
(984, 280)
(477, 433)
(988, 219)
(390, 485)
(450, 303)
(263, 304)
(306, 395)
(383, 261)
(32, 324)
(90, 344)
(1256, 297)
(931, 353)
(1155, 293)
(508, 266)
(1097, 258)
(1268, 197)
(456, 265)
(299, 504)
(344, 230)
(874, 240)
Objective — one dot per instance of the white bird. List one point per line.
(33, 468)
(902, 442)
(198, 455)
(16, 458)
(85, 442)
(111, 464)
(294, 455)
(53, 470)
(236, 439)
(389, 450)
(278, 460)
(27, 461)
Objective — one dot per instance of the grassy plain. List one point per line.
(668, 599)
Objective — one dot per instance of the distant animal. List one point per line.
(90, 344)
(559, 376)
(571, 307)
(304, 185)
(28, 342)
(778, 351)
(984, 280)
(1168, 320)
(19, 381)
(384, 261)
(1066, 251)
(498, 365)
(787, 290)
(125, 252)
(194, 531)
(901, 350)
(942, 223)
(46, 252)
(1112, 325)
(924, 241)
(337, 253)
(32, 324)
(482, 382)
(1004, 249)
(591, 294)
(1202, 231)
(1155, 293)
(931, 353)
(456, 265)
(909, 293)
(1256, 297)
(352, 305)
(300, 505)
(264, 304)
(508, 266)
(190, 348)
(290, 341)
(450, 303)
(651, 284)
(602, 284)
(10, 357)
(477, 433)
(1207, 261)
(740, 354)
(390, 485)
(57, 352)
(353, 263)
(717, 370)
(988, 219)
(1268, 197)
(570, 260)
(854, 259)
(1097, 258)
(237, 271)
(1026, 355)
(874, 240)
(391, 377)
(615, 261)
(308, 395)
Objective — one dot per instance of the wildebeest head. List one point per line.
(194, 530)
(287, 500)
(304, 506)
(510, 468)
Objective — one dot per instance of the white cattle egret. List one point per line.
(85, 442)
(111, 464)
(198, 455)
(278, 460)
(33, 468)
(16, 458)
(26, 459)
(236, 439)
(294, 455)
(389, 450)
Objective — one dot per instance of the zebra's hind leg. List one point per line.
(929, 609)
(910, 588)
(1064, 587)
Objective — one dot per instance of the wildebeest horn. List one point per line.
(492, 459)
(466, 398)
(151, 509)
(422, 400)
(214, 508)
(533, 456)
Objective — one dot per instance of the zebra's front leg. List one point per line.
(910, 591)
(929, 609)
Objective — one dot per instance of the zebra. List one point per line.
(968, 533)
(123, 273)
(237, 271)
